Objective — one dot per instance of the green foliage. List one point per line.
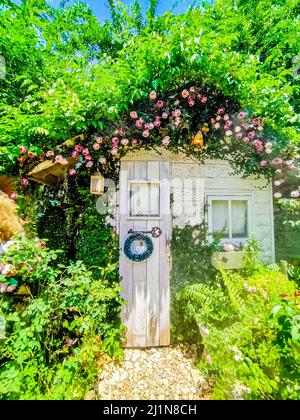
(250, 337)
(67, 73)
(58, 327)
(287, 229)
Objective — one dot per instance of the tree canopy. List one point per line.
(66, 72)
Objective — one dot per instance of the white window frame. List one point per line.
(231, 197)
(143, 217)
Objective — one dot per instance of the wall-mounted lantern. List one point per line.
(97, 183)
(198, 139)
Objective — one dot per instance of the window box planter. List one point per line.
(228, 260)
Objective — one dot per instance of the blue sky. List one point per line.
(100, 10)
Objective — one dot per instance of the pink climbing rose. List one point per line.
(72, 172)
(24, 182)
(133, 115)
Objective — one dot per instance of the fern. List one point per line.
(231, 286)
(197, 294)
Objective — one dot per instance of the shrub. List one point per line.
(251, 344)
(60, 321)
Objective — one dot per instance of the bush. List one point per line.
(60, 322)
(250, 332)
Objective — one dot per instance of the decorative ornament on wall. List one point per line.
(138, 247)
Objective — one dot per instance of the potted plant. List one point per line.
(229, 256)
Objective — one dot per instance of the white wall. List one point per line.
(192, 182)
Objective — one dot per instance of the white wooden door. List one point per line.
(144, 204)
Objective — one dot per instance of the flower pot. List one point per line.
(228, 260)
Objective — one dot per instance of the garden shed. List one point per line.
(161, 190)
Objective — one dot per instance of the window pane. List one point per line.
(239, 210)
(220, 217)
(144, 199)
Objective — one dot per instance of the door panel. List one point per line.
(146, 284)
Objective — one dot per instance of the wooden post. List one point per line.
(284, 267)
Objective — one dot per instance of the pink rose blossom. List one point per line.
(114, 151)
(134, 141)
(295, 194)
(259, 145)
(21, 159)
(277, 161)
(213, 120)
(157, 123)
(153, 95)
(133, 115)
(96, 146)
(50, 153)
(122, 132)
(58, 158)
(23, 181)
(75, 154)
(31, 155)
(263, 163)
(160, 104)
(239, 135)
(88, 157)
(246, 139)
(41, 245)
(227, 126)
(191, 102)
(99, 140)
(102, 160)
(185, 93)
(203, 100)
(251, 134)
(220, 111)
(22, 149)
(228, 247)
(85, 152)
(165, 115)
(115, 140)
(139, 123)
(89, 164)
(241, 115)
(78, 148)
(146, 126)
(145, 133)
(124, 142)
(256, 122)
(166, 141)
(151, 126)
(245, 127)
(72, 172)
(13, 196)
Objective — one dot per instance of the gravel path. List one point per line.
(160, 373)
